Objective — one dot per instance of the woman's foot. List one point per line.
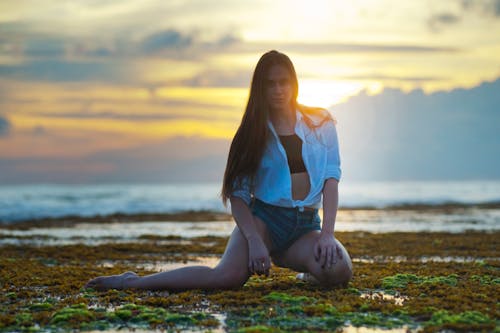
(112, 282)
(307, 277)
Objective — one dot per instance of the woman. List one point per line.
(283, 158)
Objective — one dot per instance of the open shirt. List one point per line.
(273, 183)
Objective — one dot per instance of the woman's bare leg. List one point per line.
(232, 271)
(300, 257)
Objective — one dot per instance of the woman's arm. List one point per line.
(330, 204)
(258, 255)
(243, 217)
(326, 250)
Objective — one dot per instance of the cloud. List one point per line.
(173, 43)
(22, 41)
(4, 126)
(54, 58)
(59, 70)
(165, 40)
(383, 77)
(100, 52)
(46, 47)
(484, 7)
(325, 48)
(414, 136)
(222, 78)
(438, 21)
(128, 117)
(117, 57)
(182, 45)
(107, 64)
(390, 136)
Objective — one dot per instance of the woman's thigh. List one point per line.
(236, 253)
(299, 254)
(300, 257)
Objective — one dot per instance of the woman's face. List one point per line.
(278, 87)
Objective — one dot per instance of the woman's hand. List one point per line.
(259, 261)
(326, 251)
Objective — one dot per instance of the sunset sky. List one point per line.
(135, 79)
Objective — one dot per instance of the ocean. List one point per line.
(368, 206)
(23, 202)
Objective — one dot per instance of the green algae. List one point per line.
(46, 306)
(11, 295)
(286, 298)
(24, 319)
(257, 329)
(402, 280)
(471, 320)
(376, 319)
(486, 279)
(79, 316)
(123, 314)
(72, 316)
(153, 317)
(312, 315)
(354, 291)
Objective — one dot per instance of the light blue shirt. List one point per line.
(273, 183)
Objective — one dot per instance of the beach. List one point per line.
(418, 277)
(128, 127)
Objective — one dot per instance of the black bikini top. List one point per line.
(293, 148)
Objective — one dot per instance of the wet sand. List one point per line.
(70, 221)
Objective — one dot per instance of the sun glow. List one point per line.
(325, 93)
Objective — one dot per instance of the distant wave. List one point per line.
(430, 205)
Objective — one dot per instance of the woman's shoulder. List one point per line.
(318, 115)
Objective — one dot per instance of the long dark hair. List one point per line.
(251, 137)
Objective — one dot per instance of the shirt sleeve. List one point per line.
(333, 169)
(241, 189)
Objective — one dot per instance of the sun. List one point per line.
(325, 93)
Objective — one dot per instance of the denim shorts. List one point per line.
(285, 224)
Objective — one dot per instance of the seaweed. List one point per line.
(41, 288)
(468, 320)
(402, 280)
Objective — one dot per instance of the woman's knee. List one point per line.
(230, 278)
(339, 274)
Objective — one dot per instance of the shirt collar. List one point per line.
(299, 128)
